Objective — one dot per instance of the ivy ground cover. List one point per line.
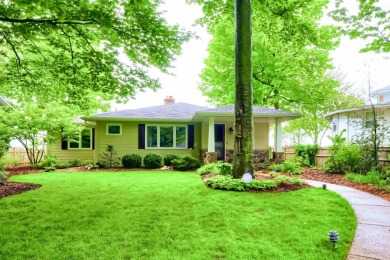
(167, 215)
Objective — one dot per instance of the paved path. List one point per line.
(372, 238)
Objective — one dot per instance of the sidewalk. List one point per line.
(372, 238)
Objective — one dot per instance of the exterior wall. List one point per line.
(352, 122)
(261, 136)
(70, 154)
(128, 141)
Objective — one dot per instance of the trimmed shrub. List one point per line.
(168, 159)
(185, 163)
(131, 160)
(152, 160)
(306, 154)
(287, 166)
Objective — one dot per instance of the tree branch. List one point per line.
(47, 21)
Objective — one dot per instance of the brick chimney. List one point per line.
(169, 100)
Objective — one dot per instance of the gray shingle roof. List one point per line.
(183, 111)
(169, 111)
(256, 111)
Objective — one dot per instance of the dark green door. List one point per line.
(219, 131)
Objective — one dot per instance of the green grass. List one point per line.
(167, 215)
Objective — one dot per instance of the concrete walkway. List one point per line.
(372, 238)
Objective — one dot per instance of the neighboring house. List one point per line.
(173, 128)
(355, 120)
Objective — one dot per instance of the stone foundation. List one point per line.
(211, 157)
(261, 158)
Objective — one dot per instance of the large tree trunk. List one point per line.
(243, 145)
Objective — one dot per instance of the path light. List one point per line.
(247, 177)
(324, 186)
(231, 130)
(333, 237)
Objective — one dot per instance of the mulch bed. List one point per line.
(11, 188)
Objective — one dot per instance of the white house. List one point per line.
(357, 120)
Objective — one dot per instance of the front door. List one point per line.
(219, 132)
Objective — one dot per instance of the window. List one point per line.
(82, 140)
(334, 126)
(166, 136)
(370, 120)
(114, 129)
(380, 98)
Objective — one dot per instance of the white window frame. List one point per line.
(80, 141)
(158, 136)
(113, 124)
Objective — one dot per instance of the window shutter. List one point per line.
(93, 138)
(64, 142)
(190, 136)
(141, 136)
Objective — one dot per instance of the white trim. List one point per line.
(174, 126)
(113, 124)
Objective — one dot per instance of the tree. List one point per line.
(33, 125)
(371, 22)
(77, 49)
(243, 120)
(290, 53)
(327, 99)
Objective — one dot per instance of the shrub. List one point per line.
(287, 166)
(9, 161)
(132, 160)
(346, 158)
(306, 154)
(62, 165)
(185, 163)
(168, 159)
(109, 158)
(75, 163)
(49, 160)
(152, 160)
(3, 173)
(220, 168)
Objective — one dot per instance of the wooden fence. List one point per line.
(322, 154)
(19, 154)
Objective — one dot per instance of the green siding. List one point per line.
(69, 154)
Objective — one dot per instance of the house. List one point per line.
(177, 128)
(357, 120)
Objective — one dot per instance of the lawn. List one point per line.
(167, 215)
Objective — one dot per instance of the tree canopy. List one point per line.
(73, 51)
(370, 22)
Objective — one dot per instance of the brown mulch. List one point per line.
(10, 188)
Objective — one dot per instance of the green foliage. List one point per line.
(132, 160)
(228, 183)
(152, 160)
(37, 126)
(75, 50)
(185, 163)
(168, 158)
(307, 154)
(109, 158)
(345, 156)
(369, 22)
(281, 180)
(380, 180)
(287, 166)
(9, 161)
(3, 174)
(75, 163)
(219, 168)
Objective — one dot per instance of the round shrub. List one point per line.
(168, 158)
(185, 163)
(131, 160)
(152, 160)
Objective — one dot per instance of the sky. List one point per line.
(183, 85)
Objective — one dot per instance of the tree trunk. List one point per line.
(243, 145)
